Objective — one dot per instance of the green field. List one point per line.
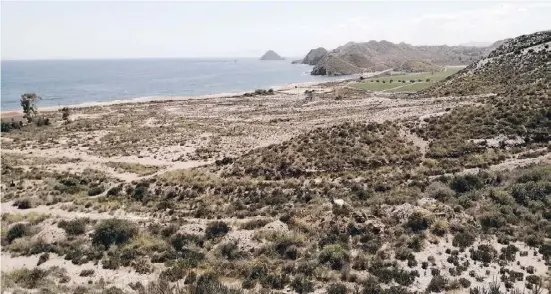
(391, 84)
(409, 87)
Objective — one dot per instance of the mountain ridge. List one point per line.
(353, 58)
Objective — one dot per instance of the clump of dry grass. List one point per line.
(343, 148)
(136, 168)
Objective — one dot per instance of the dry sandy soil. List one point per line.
(131, 142)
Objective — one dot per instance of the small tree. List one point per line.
(65, 114)
(28, 103)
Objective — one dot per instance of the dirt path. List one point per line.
(87, 161)
(508, 164)
(120, 277)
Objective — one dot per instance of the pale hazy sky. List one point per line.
(76, 29)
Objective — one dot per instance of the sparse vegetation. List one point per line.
(452, 192)
(74, 227)
(113, 231)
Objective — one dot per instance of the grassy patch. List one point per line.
(389, 82)
(417, 86)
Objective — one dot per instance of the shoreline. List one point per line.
(160, 99)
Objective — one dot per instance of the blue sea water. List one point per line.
(72, 82)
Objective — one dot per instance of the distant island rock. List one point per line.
(271, 55)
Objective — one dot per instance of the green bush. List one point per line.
(208, 283)
(177, 272)
(74, 227)
(254, 224)
(492, 220)
(274, 281)
(140, 192)
(465, 283)
(337, 288)
(115, 290)
(484, 253)
(440, 228)
(113, 231)
(533, 279)
(419, 221)
(95, 191)
(466, 183)
(24, 203)
(6, 127)
(545, 250)
(216, 229)
(463, 240)
(17, 231)
(114, 191)
(231, 251)
(334, 255)
(112, 261)
(404, 254)
(27, 278)
(437, 284)
(179, 241)
(302, 285)
(531, 191)
(439, 191)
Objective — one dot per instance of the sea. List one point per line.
(89, 82)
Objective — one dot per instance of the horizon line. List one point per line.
(144, 58)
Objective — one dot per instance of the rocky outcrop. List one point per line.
(373, 56)
(271, 55)
(314, 56)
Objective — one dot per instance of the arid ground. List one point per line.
(244, 187)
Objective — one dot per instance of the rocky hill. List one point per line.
(314, 56)
(512, 66)
(377, 56)
(271, 55)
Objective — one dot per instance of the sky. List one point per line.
(134, 29)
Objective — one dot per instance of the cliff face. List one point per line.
(314, 56)
(271, 55)
(372, 56)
